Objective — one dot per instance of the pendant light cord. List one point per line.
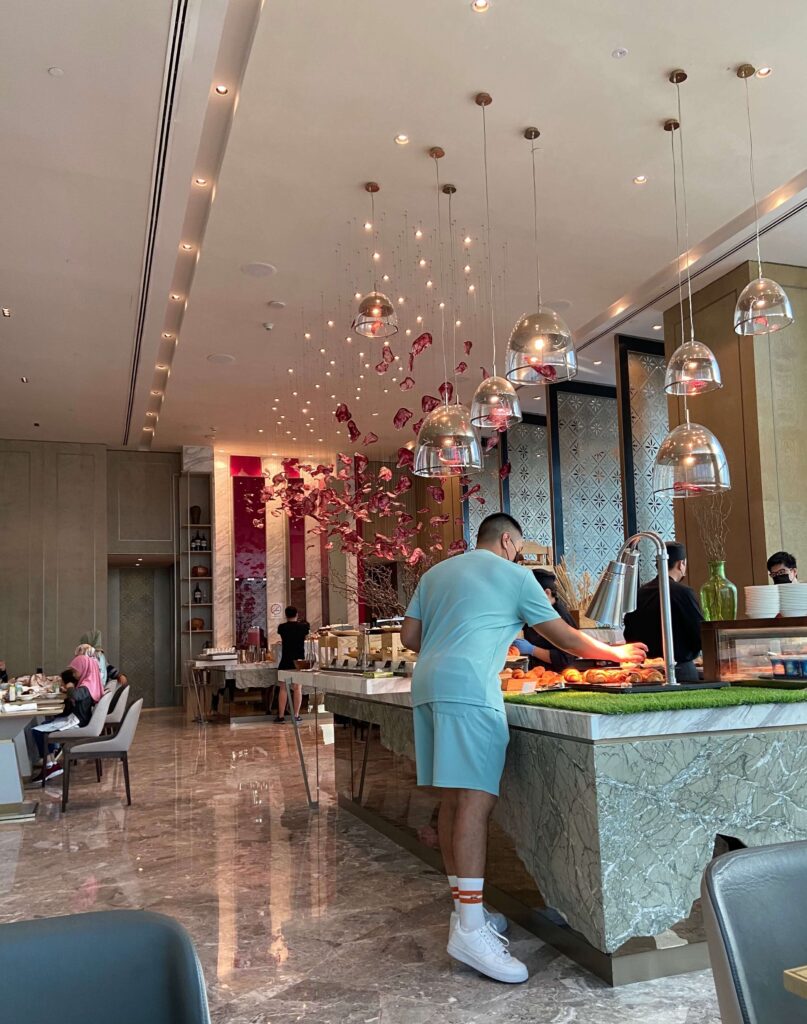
(686, 213)
(751, 171)
(677, 236)
(440, 249)
(487, 233)
(533, 147)
(375, 242)
(454, 302)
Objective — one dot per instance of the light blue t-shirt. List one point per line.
(471, 608)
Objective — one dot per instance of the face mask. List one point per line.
(782, 578)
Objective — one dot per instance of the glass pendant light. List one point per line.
(690, 462)
(448, 444)
(541, 347)
(495, 405)
(763, 306)
(692, 370)
(376, 317)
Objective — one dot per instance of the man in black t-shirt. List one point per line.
(645, 623)
(292, 635)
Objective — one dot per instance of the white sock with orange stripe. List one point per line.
(455, 893)
(472, 910)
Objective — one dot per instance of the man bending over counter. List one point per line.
(464, 615)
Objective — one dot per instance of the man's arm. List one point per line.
(574, 642)
(411, 632)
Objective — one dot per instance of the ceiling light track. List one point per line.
(172, 72)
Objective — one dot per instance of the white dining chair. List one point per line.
(94, 727)
(116, 747)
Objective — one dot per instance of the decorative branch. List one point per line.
(712, 516)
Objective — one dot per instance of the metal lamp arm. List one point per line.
(662, 562)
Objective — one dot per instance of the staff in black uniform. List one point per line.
(645, 623)
(538, 649)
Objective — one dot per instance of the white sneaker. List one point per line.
(486, 951)
(497, 921)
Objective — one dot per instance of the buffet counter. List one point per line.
(605, 822)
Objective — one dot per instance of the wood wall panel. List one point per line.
(141, 510)
(52, 551)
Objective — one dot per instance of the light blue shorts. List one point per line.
(460, 746)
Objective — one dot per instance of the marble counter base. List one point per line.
(616, 836)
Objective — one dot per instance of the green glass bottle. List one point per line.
(718, 595)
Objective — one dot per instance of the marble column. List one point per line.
(277, 558)
(223, 573)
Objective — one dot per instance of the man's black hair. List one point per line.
(291, 612)
(782, 558)
(676, 552)
(492, 527)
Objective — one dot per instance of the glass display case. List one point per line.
(753, 650)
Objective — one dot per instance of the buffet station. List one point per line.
(618, 787)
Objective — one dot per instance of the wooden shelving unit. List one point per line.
(194, 489)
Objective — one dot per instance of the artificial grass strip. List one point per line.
(599, 703)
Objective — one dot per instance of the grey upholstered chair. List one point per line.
(93, 728)
(756, 926)
(116, 747)
(117, 708)
(126, 966)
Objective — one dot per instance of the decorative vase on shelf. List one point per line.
(195, 514)
(718, 595)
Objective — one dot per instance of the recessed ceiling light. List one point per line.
(471, 288)
(176, 298)
(458, 323)
(357, 295)
(657, 327)
(419, 319)
(55, 72)
(330, 323)
(598, 362)
(368, 226)
(418, 233)
(222, 90)
(161, 366)
(429, 284)
(385, 277)
(260, 430)
(200, 181)
(6, 311)
(402, 139)
(307, 336)
(25, 380)
(640, 179)
(268, 325)
(764, 72)
(619, 53)
(291, 370)
(467, 240)
(376, 256)
(187, 246)
(167, 335)
(480, 6)
(408, 331)
(221, 357)
(276, 304)
(155, 392)
(151, 414)
(421, 262)
(258, 269)
(537, 397)
(467, 268)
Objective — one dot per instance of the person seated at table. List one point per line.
(81, 685)
(292, 635)
(538, 649)
(3, 673)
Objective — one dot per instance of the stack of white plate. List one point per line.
(792, 599)
(762, 602)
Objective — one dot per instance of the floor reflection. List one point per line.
(297, 916)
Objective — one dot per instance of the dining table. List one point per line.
(15, 763)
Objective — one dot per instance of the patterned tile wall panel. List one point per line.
(590, 480)
(491, 492)
(137, 632)
(649, 425)
(529, 481)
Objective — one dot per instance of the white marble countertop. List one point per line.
(578, 724)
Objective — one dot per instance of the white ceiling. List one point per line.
(327, 86)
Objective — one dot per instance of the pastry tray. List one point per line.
(644, 688)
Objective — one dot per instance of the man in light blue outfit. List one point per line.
(464, 615)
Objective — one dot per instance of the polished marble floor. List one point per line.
(297, 916)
